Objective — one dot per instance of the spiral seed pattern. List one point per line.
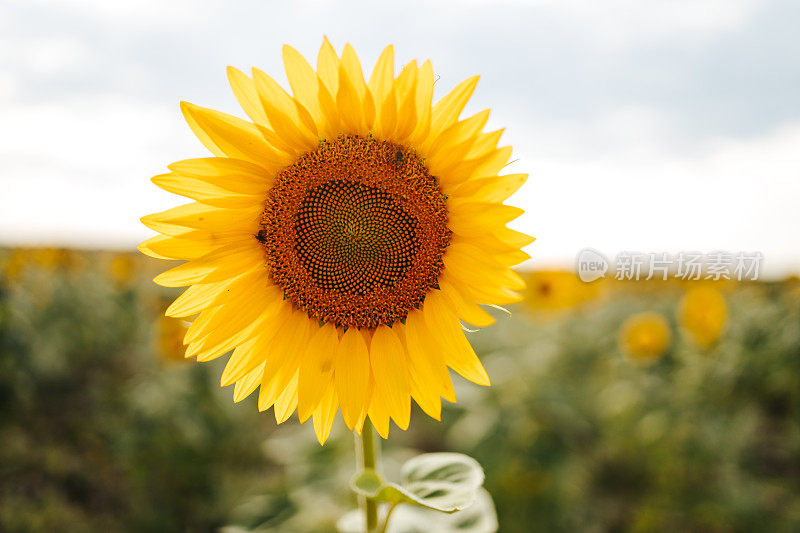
(353, 238)
(354, 232)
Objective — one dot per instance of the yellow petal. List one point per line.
(307, 120)
(255, 351)
(316, 369)
(331, 121)
(457, 134)
(225, 134)
(351, 375)
(496, 161)
(382, 78)
(232, 185)
(379, 415)
(407, 94)
(352, 66)
(351, 109)
(215, 314)
(325, 414)
(221, 264)
(424, 96)
(490, 189)
(245, 386)
(458, 353)
(284, 113)
(222, 341)
(232, 325)
(163, 222)
(482, 159)
(494, 296)
(197, 326)
(468, 262)
(166, 247)
(303, 81)
(513, 238)
(284, 358)
(287, 401)
(469, 312)
(359, 426)
(446, 163)
(423, 343)
(386, 122)
(449, 108)
(196, 298)
(478, 218)
(485, 144)
(219, 166)
(328, 66)
(204, 217)
(205, 192)
(191, 244)
(241, 356)
(428, 370)
(381, 86)
(244, 89)
(390, 370)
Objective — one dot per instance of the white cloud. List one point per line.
(615, 23)
(41, 57)
(125, 11)
(77, 172)
(735, 195)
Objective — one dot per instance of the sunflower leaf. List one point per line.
(480, 517)
(445, 482)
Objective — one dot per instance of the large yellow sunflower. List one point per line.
(337, 242)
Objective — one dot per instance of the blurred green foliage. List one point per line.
(102, 429)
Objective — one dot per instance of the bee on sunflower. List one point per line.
(338, 239)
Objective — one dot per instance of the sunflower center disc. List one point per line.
(355, 231)
(353, 238)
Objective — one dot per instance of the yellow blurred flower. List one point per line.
(703, 314)
(170, 338)
(14, 263)
(122, 269)
(556, 290)
(645, 336)
(49, 259)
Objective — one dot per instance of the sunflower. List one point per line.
(339, 238)
(645, 337)
(121, 269)
(170, 333)
(703, 314)
(557, 290)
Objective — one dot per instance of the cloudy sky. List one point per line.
(656, 126)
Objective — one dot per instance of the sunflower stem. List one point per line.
(369, 460)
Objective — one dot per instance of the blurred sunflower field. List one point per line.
(614, 406)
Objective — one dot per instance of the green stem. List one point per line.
(368, 461)
(386, 520)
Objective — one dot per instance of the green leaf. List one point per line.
(445, 482)
(480, 517)
(369, 484)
